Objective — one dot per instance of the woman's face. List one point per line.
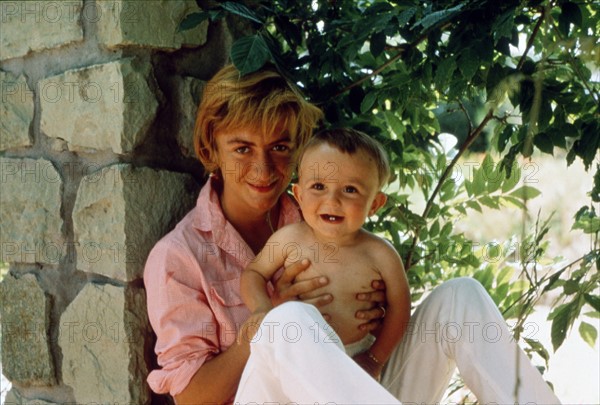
(256, 168)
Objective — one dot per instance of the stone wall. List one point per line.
(97, 108)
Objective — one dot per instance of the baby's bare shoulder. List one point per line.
(291, 233)
(378, 250)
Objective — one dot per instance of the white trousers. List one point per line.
(297, 358)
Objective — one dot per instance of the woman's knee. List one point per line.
(461, 291)
(466, 286)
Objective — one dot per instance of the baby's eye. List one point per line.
(350, 189)
(318, 186)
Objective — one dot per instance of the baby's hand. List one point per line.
(372, 367)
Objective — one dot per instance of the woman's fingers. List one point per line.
(376, 313)
(286, 288)
(373, 316)
(318, 301)
(376, 297)
(290, 272)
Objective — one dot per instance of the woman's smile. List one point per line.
(263, 187)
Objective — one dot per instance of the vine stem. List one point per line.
(463, 148)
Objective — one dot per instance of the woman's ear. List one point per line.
(378, 202)
(297, 191)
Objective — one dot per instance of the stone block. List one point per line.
(189, 92)
(121, 212)
(16, 111)
(28, 26)
(15, 398)
(30, 204)
(102, 340)
(25, 315)
(126, 23)
(104, 107)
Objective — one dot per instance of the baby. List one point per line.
(340, 176)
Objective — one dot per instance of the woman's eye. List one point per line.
(242, 149)
(281, 148)
(318, 186)
(350, 189)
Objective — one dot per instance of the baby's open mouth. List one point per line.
(331, 218)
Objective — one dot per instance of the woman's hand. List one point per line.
(287, 289)
(372, 367)
(374, 316)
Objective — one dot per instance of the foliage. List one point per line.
(519, 73)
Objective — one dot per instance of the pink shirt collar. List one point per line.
(208, 216)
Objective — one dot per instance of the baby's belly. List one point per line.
(343, 286)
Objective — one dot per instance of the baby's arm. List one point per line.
(398, 303)
(254, 279)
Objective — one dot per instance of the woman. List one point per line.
(248, 132)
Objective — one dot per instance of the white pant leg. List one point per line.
(458, 325)
(296, 358)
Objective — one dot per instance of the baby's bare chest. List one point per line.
(349, 270)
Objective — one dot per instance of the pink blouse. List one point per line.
(192, 280)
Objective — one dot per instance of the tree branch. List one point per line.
(534, 33)
(463, 148)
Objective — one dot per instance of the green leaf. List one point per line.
(434, 230)
(587, 146)
(514, 201)
(405, 16)
(587, 220)
(492, 174)
(485, 277)
(571, 13)
(192, 21)
(538, 348)
(438, 17)
(502, 27)
(490, 202)
(395, 124)
(526, 192)
(241, 10)
(468, 62)
(368, 101)
(478, 181)
(505, 137)
(587, 225)
(544, 143)
(446, 229)
(249, 54)
(377, 43)
(588, 333)
(513, 180)
(474, 205)
(444, 72)
(593, 300)
(505, 275)
(560, 324)
(595, 193)
(593, 314)
(571, 287)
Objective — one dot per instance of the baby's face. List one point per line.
(337, 191)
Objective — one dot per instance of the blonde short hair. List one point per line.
(263, 101)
